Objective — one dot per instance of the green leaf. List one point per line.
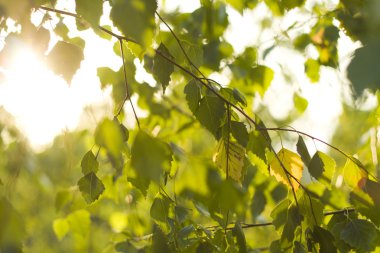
(150, 158)
(300, 103)
(262, 77)
(312, 70)
(301, 41)
(352, 174)
(211, 113)
(64, 59)
(290, 4)
(279, 214)
(311, 209)
(257, 144)
(160, 208)
(109, 135)
(135, 19)
(89, 163)
(302, 150)
(360, 234)
(325, 240)
(193, 95)
(322, 166)
(238, 232)
(107, 76)
(160, 242)
(62, 199)
(162, 69)
(363, 69)
(230, 159)
(258, 202)
(61, 227)
(91, 187)
(240, 133)
(90, 10)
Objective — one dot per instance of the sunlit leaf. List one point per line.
(311, 209)
(262, 77)
(65, 59)
(89, 163)
(91, 187)
(312, 70)
(360, 234)
(300, 103)
(322, 166)
(162, 69)
(279, 214)
(301, 41)
(61, 227)
(292, 163)
(90, 10)
(230, 156)
(352, 174)
(109, 135)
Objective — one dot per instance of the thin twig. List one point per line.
(127, 93)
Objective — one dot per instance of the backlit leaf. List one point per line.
(300, 103)
(162, 69)
(108, 134)
(150, 158)
(91, 187)
(135, 18)
(292, 163)
(61, 227)
(230, 156)
(89, 163)
(90, 10)
(312, 70)
(352, 174)
(262, 77)
(64, 59)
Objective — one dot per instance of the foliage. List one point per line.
(200, 172)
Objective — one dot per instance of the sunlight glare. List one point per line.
(40, 101)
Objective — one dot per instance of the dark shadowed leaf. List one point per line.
(363, 70)
(211, 113)
(325, 240)
(91, 187)
(239, 132)
(360, 234)
(302, 150)
(160, 208)
(238, 232)
(162, 68)
(160, 242)
(193, 95)
(258, 202)
(89, 163)
(64, 59)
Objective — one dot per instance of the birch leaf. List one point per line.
(293, 164)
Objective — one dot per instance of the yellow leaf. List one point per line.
(352, 174)
(293, 164)
(236, 154)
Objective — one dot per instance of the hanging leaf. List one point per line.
(261, 77)
(239, 132)
(150, 158)
(109, 135)
(360, 234)
(312, 70)
(352, 174)
(91, 187)
(60, 227)
(211, 113)
(311, 209)
(238, 233)
(322, 167)
(193, 95)
(160, 208)
(292, 163)
(162, 68)
(325, 240)
(64, 59)
(230, 154)
(300, 103)
(135, 18)
(89, 163)
(302, 150)
(90, 10)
